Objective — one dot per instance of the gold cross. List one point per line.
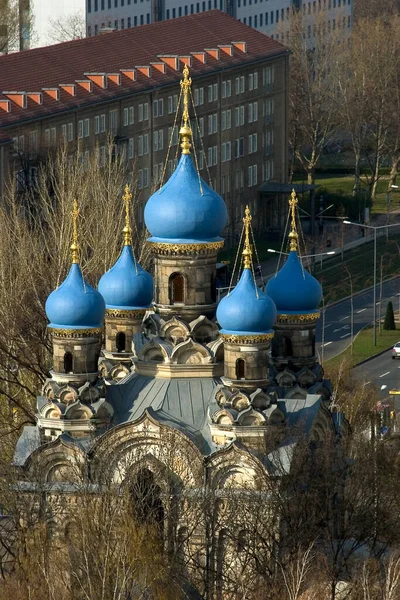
(247, 252)
(127, 231)
(293, 235)
(185, 131)
(74, 246)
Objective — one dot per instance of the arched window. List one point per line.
(68, 362)
(176, 288)
(313, 345)
(147, 504)
(288, 347)
(120, 341)
(240, 364)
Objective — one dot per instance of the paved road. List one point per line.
(381, 371)
(337, 329)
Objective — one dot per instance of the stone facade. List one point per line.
(246, 366)
(197, 287)
(75, 352)
(126, 322)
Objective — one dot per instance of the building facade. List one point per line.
(130, 93)
(271, 17)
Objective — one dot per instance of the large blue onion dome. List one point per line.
(126, 285)
(293, 289)
(75, 304)
(185, 209)
(246, 310)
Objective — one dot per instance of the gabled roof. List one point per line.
(42, 81)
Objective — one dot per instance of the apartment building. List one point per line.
(271, 17)
(127, 83)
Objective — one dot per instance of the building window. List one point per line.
(239, 85)
(172, 103)
(130, 148)
(240, 368)
(143, 112)
(96, 124)
(226, 151)
(198, 96)
(158, 108)
(239, 116)
(176, 289)
(212, 156)
(86, 128)
(239, 147)
(113, 121)
(80, 130)
(252, 175)
(213, 92)
(158, 140)
(68, 362)
(252, 143)
(253, 112)
(212, 123)
(102, 123)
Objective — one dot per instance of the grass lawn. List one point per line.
(363, 347)
(344, 184)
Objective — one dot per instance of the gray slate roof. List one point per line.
(180, 403)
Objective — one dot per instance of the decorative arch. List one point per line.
(240, 368)
(120, 341)
(156, 351)
(67, 394)
(203, 330)
(191, 353)
(240, 401)
(176, 286)
(175, 330)
(68, 362)
(119, 371)
(296, 393)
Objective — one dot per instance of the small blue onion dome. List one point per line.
(247, 310)
(75, 304)
(126, 285)
(185, 210)
(293, 289)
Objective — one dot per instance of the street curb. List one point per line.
(371, 357)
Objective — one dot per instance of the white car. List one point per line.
(396, 351)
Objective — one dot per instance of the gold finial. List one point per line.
(247, 252)
(127, 231)
(293, 235)
(74, 246)
(185, 131)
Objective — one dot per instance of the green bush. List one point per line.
(389, 323)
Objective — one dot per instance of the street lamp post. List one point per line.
(375, 230)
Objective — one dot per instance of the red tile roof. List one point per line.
(111, 53)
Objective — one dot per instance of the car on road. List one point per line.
(396, 351)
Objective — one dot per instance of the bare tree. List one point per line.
(312, 90)
(70, 27)
(16, 21)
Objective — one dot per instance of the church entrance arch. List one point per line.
(146, 500)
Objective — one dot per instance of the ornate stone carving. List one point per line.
(175, 330)
(126, 314)
(189, 352)
(167, 249)
(307, 318)
(76, 333)
(244, 340)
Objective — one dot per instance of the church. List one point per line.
(154, 382)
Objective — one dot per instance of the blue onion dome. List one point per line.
(126, 285)
(293, 289)
(185, 209)
(75, 304)
(247, 310)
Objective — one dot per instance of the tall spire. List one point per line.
(293, 235)
(185, 131)
(127, 230)
(247, 251)
(74, 246)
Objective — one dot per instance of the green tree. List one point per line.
(389, 324)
